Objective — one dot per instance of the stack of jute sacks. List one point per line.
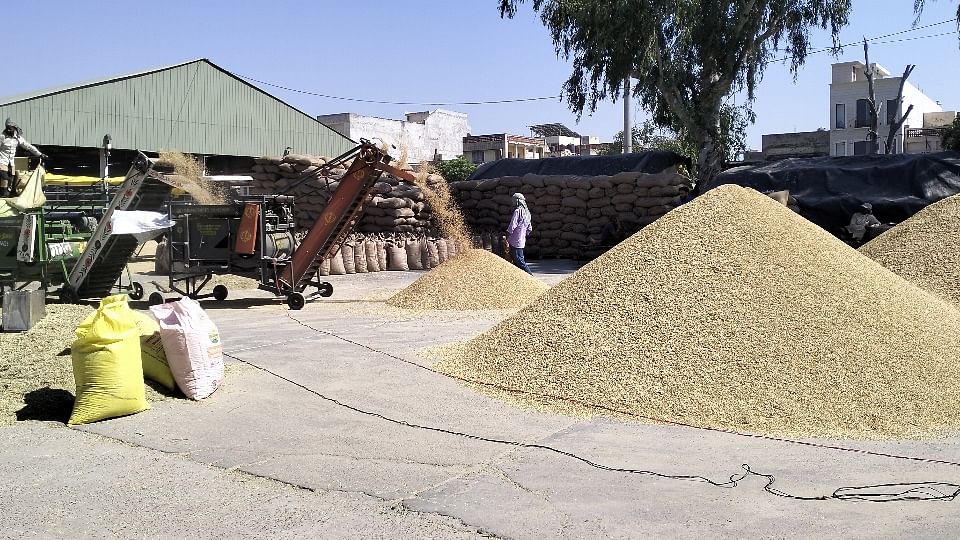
(396, 206)
(396, 231)
(363, 253)
(570, 212)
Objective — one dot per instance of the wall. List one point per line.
(884, 89)
(796, 144)
(424, 134)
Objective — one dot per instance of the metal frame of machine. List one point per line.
(247, 236)
(103, 262)
(42, 244)
(291, 274)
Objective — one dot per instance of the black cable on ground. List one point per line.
(892, 492)
(626, 412)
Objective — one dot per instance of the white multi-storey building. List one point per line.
(850, 112)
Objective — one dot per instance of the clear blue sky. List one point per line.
(420, 51)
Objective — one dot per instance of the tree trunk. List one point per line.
(709, 162)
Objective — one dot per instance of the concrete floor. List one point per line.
(264, 457)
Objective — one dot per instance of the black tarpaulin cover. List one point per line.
(653, 162)
(828, 190)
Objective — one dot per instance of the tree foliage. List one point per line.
(456, 169)
(951, 136)
(732, 142)
(687, 56)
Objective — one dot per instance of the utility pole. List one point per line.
(627, 127)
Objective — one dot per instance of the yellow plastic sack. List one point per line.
(155, 366)
(106, 364)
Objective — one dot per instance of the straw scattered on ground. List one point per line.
(924, 249)
(733, 312)
(36, 371)
(473, 280)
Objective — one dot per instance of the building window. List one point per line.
(892, 106)
(477, 156)
(841, 115)
(863, 113)
(840, 149)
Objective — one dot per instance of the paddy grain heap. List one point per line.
(924, 249)
(733, 312)
(473, 280)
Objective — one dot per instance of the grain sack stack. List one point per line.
(569, 212)
(474, 280)
(924, 249)
(733, 312)
(396, 206)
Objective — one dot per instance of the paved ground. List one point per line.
(265, 457)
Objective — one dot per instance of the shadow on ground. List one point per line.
(46, 405)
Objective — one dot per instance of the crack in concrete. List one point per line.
(391, 503)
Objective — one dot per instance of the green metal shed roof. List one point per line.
(195, 107)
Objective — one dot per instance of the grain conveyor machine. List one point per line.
(253, 236)
(104, 259)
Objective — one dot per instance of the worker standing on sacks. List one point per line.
(518, 230)
(10, 140)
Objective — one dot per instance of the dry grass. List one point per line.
(733, 312)
(36, 372)
(474, 280)
(924, 249)
(190, 172)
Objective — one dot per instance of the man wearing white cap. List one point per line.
(518, 230)
(10, 140)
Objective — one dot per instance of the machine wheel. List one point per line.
(155, 299)
(325, 289)
(220, 293)
(68, 295)
(296, 301)
(137, 292)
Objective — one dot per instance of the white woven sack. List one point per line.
(192, 344)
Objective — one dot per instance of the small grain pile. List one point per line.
(36, 371)
(473, 280)
(924, 249)
(733, 312)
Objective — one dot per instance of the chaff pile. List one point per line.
(733, 312)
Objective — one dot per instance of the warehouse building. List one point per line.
(195, 107)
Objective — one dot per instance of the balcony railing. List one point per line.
(925, 132)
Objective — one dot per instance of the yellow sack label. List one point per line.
(152, 355)
(106, 364)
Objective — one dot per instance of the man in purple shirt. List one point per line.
(518, 230)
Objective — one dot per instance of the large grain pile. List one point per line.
(474, 280)
(734, 312)
(924, 249)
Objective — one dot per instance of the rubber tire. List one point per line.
(326, 289)
(137, 292)
(68, 295)
(220, 293)
(296, 301)
(155, 299)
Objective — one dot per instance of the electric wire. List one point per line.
(890, 492)
(542, 98)
(417, 103)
